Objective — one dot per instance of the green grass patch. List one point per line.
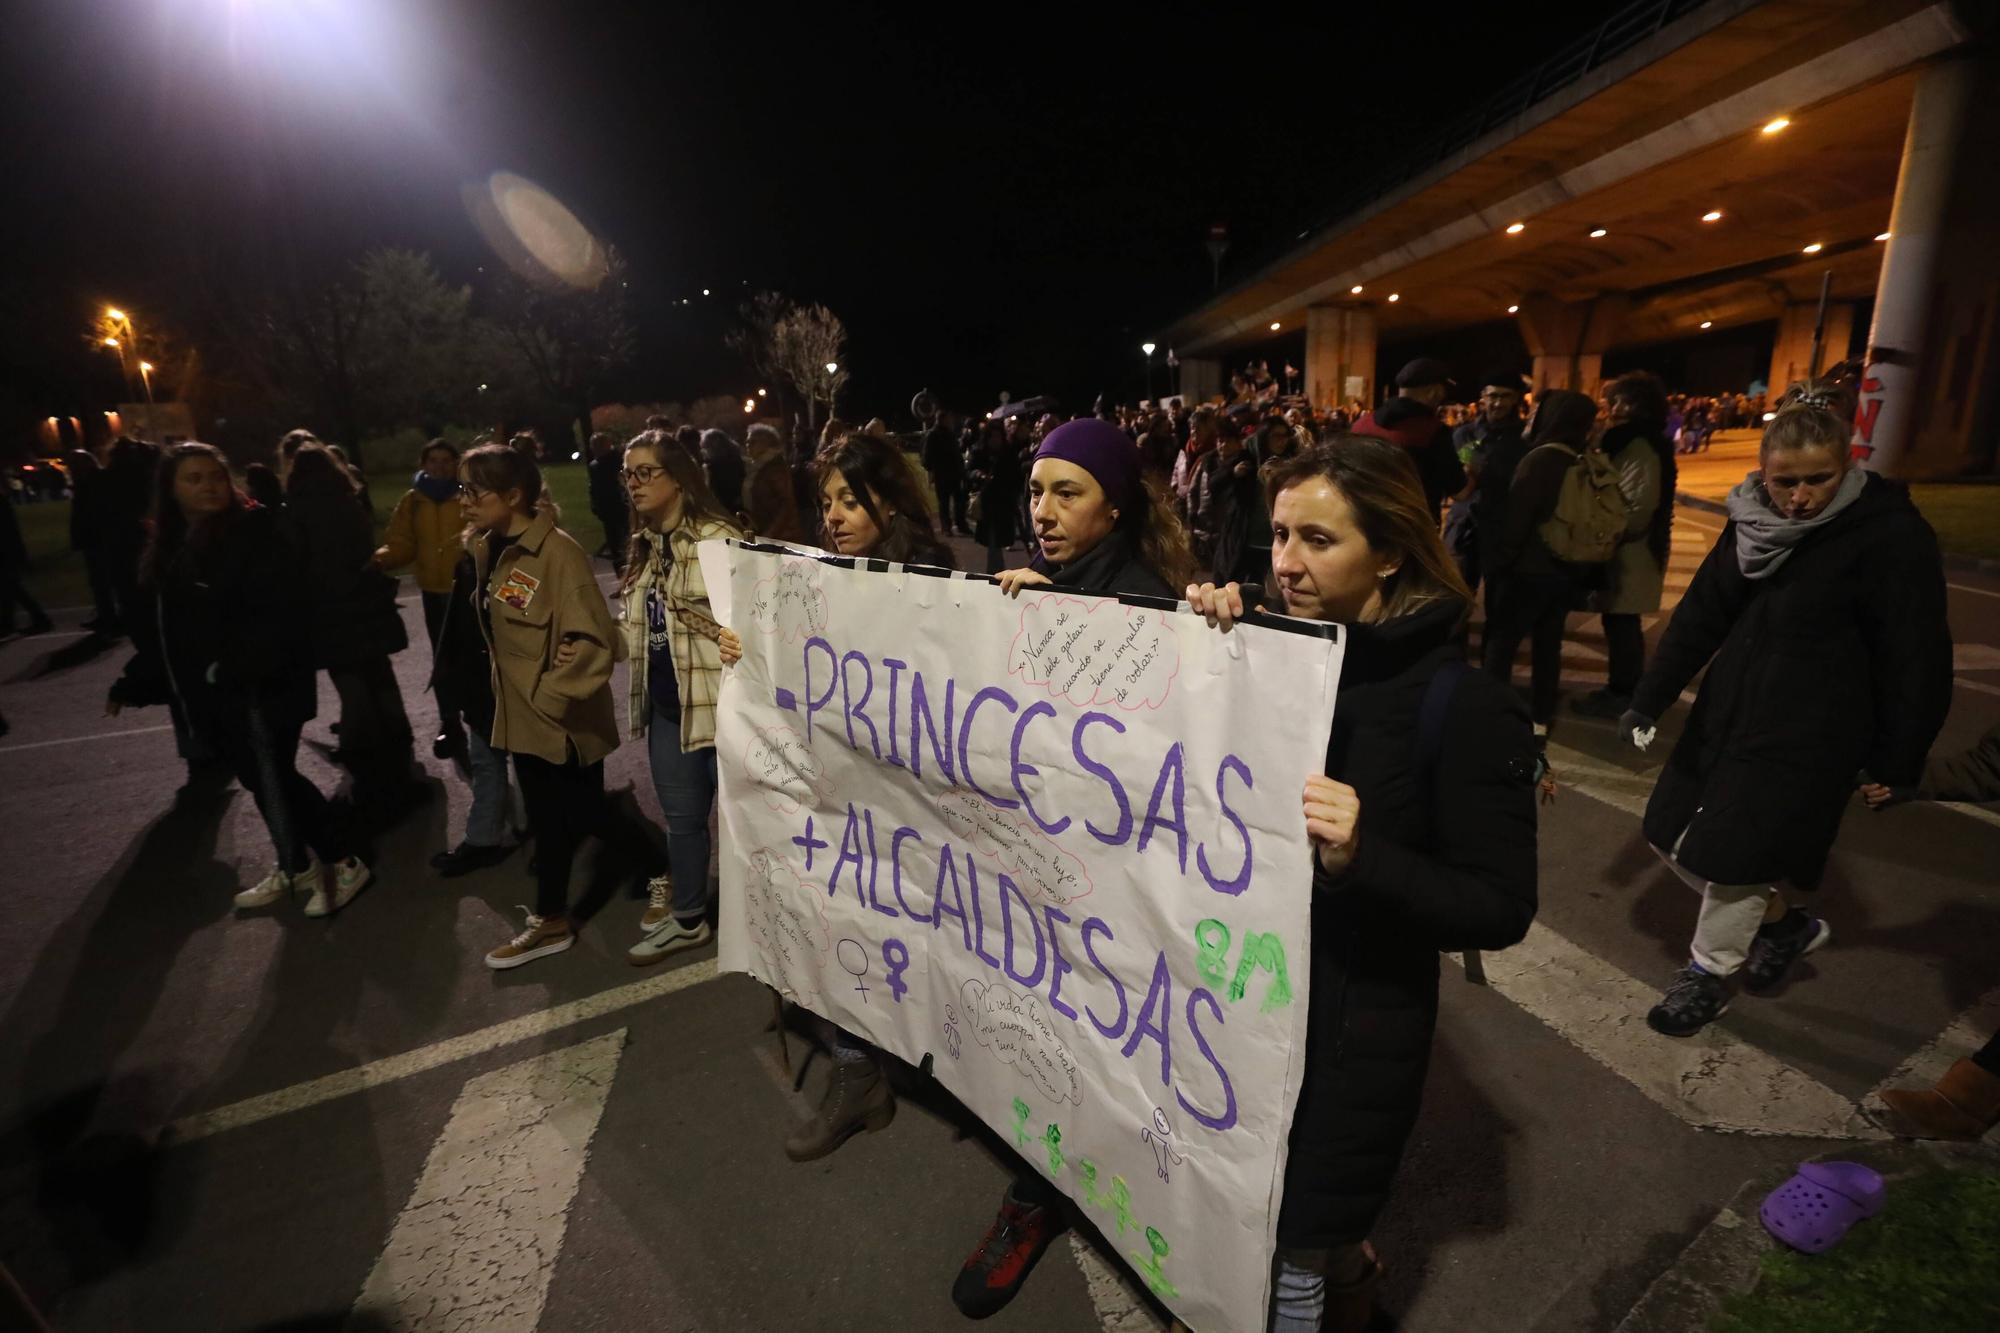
(1967, 517)
(57, 577)
(1930, 1260)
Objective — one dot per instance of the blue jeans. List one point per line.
(685, 784)
(486, 822)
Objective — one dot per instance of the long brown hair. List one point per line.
(698, 502)
(169, 524)
(1380, 484)
(880, 475)
(1158, 536)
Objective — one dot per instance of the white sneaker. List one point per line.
(659, 895)
(669, 938)
(349, 878)
(265, 891)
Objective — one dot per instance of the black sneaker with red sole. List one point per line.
(1011, 1248)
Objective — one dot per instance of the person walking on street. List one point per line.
(871, 508)
(1534, 586)
(220, 629)
(426, 530)
(89, 534)
(14, 594)
(946, 466)
(1820, 618)
(607, 497)
(1423, 833)
(669, 633)
(462, 670)
(1636, 443)
(1490, 447)
(553, 715)
(998, 477)
(354, 627)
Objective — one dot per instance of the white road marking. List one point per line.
(1979, 686)
(387, 1070)
(1966, 1034)
(1975, 657)
(477, 1243)
(1966, 587)
(1712, 1080)
(77, 740)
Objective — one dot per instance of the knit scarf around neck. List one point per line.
(1765, 538)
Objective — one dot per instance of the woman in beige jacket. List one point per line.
(553, 644)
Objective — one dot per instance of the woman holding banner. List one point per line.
(670, 638)
(871, 508)
(1423, 829)
(1101, 529)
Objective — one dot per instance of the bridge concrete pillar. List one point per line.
(1568, 339)
(1199, 378)
(1340, 355)
(1930, 389)
(1791, 354)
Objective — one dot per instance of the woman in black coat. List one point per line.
(998, 469)
(354, 625)
(1820, 615)
(217, 630)
(1423, 829)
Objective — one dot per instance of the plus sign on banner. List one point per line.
(1055, 845)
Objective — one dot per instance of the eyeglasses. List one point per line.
(641, 475)
(474, 493)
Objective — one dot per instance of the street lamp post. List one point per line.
(1147, 348)
(121, 319)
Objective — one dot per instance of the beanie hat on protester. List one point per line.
(1101, 449)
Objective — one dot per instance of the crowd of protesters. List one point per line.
(1816, 623)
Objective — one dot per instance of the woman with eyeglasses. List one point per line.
(552, 641)
(670, 640)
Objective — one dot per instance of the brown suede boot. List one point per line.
(1964, 1105)
(857, 1098)
(1350, 1306)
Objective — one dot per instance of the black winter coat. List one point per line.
(354, 615)
(221, 629)
(462, 666)
(1445, 861)
(1838, 662)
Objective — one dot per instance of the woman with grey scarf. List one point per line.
(1820, 617)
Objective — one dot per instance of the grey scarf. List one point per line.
(1765, 538)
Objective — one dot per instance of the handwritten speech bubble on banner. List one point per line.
(1096, 650)
(1018, 840)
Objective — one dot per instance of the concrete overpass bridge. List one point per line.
(1691, 167)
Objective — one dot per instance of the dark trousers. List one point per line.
(103, 595)
(263, 753)
(617, 534)
(1625, 643)
(14, 595)
(1534, 606)
(566, 805)
(449, 710)
(951, 502)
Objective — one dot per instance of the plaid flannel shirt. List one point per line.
(691, 631)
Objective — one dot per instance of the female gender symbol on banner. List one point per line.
(854, 960)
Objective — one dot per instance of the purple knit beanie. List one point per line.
(1101, 449)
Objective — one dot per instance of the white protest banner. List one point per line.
(1054, 844)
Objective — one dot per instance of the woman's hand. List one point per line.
(566, 652)
(1222, 607)
(1880, 797)
(1011, 581)
(731, 645)
(1333, 817)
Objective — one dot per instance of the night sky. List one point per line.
(1004, 198)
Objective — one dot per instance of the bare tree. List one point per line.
(571, 340)
(803, 348)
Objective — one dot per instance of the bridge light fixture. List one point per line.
(1513, 310)
(1598, 233)
(1814, 248)
(1516, 228)
(1775, 124)
(1708, 323)
(1882, 236)
(1355, 290)
(1274, 326)
(1712, 215)
(1395, 296)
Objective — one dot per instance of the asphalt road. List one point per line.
(1544, 1189)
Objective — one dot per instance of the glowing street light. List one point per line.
(833, 367)
(1355, 290)
(111, 342)
(1814, 248)
(1147, 348)
(1775, 125)
(1274, 326)
(1883, 236)
(1598, 233)
(115, 314)
(1708, 323)
(1712, 215)
(749, 406)
(1513, 310)
(761, 393)
(145, 367)
(1395, 296)
(1516, 228)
